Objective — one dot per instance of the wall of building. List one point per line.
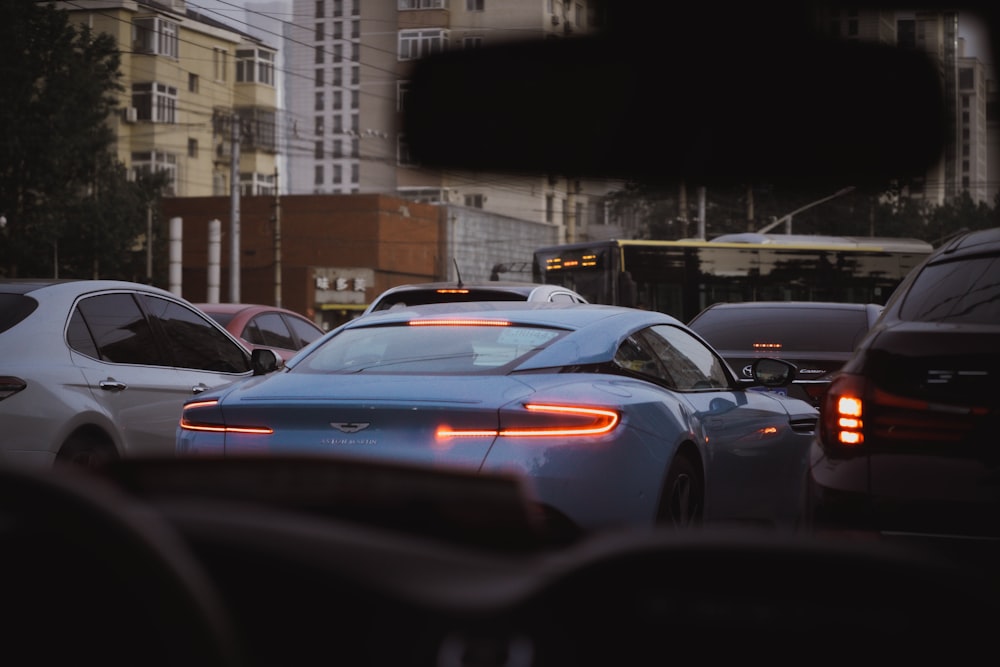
(338, 252)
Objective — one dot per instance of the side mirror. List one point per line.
(264, 360)
(773, 372)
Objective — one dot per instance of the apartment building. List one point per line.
(967, 84)
(346, 71)
(199, 99)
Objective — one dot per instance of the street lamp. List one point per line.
(787, 219)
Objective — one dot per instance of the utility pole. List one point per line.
(234, 231)
(277, 240)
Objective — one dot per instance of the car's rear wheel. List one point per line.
(87, 450)
(682, 499)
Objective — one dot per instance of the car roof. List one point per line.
(28, 285)
(821, 305)
(975, 242)
(240, 307)
(542, 313)
(524, 288)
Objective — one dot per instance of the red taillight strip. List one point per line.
(452, 291)
(604, 421)
(214, 428)
(459, 323)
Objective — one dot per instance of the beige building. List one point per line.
(186, 79)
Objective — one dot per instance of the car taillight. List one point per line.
(10, 385)
(207, 416)
(540, 420)
(843, 413)
(857, 413)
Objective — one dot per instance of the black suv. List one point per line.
(909, 443)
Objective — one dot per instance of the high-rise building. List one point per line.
(965, 79)
(347, 63)
(199, 99)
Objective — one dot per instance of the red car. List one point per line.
(257, 325)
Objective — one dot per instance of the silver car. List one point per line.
(93, 370)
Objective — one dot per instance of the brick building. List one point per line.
(337, 252)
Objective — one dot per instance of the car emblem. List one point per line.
(748, 370)
(350, 427)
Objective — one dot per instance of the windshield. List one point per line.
(966, 292)
(438, 348)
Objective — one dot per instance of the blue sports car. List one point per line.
(614, 416)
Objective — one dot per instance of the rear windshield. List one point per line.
(966, 291)
(420, 297)
(782, 329)
(439, 348)
(14, 308)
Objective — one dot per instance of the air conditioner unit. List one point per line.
(130, 114)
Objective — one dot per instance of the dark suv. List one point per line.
(818, 337)
(909, 442)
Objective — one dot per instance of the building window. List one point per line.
(355, 173)
(355, 75)
(318, 150)
(338, 29)
(419, 43)
(338, 124)
(422, 4)
(354, 99)
(257, 184)
(355, 52)
(318, 105)
(475, 201)
(319, 78)
(338, 100)
(474, 5)
(355, 29)
(320, 55)
(338, 53)
(192, 148)
(338, 76)
(255, 65)
(338, 7)
(474, 42)
(402, 92)
(550, 208)
(355, 7)
(319, 9)
(338, 148)
(403, 156)
(355, 147)
(319, 34)
(155, 102)
(155, 36)
(219, 64)
(192, 83)
(338, 174)
(260, 130)
(318, 174)
(154, 162)
(355, 123)
(319, 126)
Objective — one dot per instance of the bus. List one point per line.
(683, 277)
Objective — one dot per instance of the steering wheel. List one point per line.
(93, 576)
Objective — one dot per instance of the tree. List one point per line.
(62, 192)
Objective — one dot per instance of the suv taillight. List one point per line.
(10, 385)
(857, 415)
(843, 412)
